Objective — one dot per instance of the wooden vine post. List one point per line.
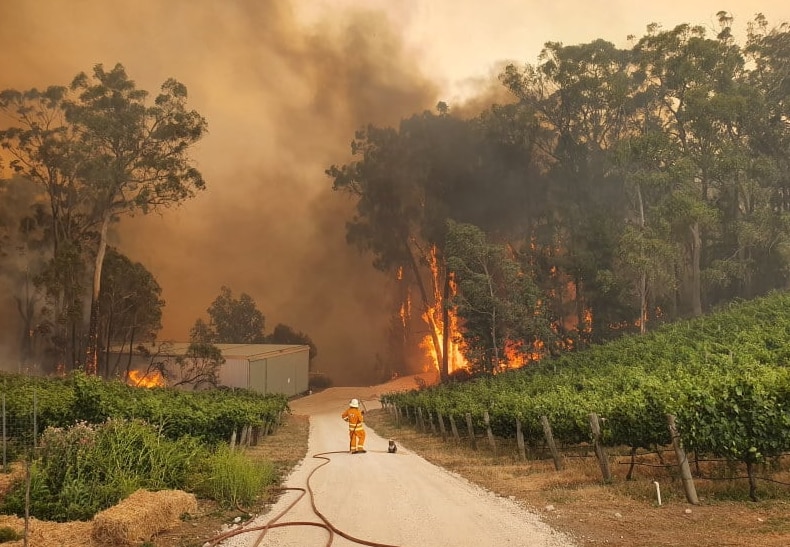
(454, 429)
(489, 433)
(443, 431)
(685, 470)
(520, 440)
(430, 421)
(420, 420)
(600, 453)
(544, 420)
(470, 428)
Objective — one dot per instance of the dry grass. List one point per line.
(576, 501)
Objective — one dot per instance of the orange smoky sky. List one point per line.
(283, 86)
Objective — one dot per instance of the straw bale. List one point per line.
(141, 516)
(50, 534)
(16, 473)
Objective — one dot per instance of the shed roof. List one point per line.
(238, 351)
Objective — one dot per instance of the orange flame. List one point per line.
(150, 379)
(455, 357)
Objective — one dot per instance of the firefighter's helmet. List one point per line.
(354, 403)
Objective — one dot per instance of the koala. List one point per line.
(392, 448)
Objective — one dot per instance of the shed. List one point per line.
(265, 368)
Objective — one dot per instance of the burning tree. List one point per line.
(407, 182)
(498, 303)
(392, 217)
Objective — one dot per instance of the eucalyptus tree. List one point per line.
(582, 95)
(23, 257)
(401, 180)
(130, 308)
(40, 146)
(497, 302)
(133, 156)
(232, 320)
(99, 151)
(646, 258)
(284, 334)
(767, 128)
(694, 85)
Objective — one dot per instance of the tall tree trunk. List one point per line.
(444, 373)
(426, 306)
(494, 343)
(643, 277)
(107, 342)
(690, 292)
(696, 278)
(91, 352)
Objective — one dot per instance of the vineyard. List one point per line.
(724, 377)
(87, 443)
(31, 404)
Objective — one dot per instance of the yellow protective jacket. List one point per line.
(354, 418)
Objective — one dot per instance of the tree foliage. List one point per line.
(231, 321)
(283, 334)
(496, 301)
(130, 308)
(634, 185)
(98, 151)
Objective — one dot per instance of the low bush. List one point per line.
(232, 479)
(81, 470)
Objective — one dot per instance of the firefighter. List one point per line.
(356, 426)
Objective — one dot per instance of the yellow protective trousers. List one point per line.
(357, 438)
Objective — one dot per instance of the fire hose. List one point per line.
(272, 523)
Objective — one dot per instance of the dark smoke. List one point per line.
(282, 101)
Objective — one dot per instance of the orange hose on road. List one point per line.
(272, 523)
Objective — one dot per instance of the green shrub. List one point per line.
(9, 534)
(84, 469)
(231, 478)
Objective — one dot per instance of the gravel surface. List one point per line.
(391, 499)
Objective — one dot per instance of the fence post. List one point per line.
(430, 421)
(685, 470)
(544, 420)
(454, 429)
(420, 420)
(489, 433)
(5, 445)
(520, 440)
(233, 440)
(471, 430)
(35, 418)
(441, 426)
(600, 452)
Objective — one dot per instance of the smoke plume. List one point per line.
(282, 99)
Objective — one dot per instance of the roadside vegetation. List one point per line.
(100, 441)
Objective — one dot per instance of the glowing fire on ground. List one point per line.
(153, 378)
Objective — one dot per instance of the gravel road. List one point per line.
(390, 499)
